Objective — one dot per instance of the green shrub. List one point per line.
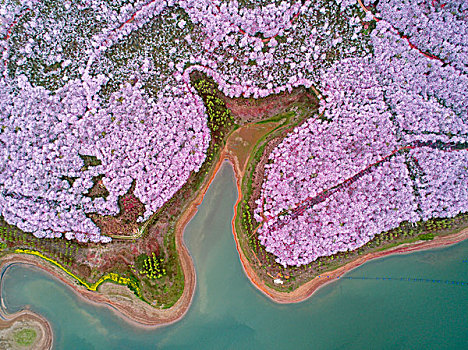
(426, 236)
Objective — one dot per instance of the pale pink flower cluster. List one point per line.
(320, 154)
(158, 145)
(346, 220)
(151, 127)
(436, 27)
(410, 99)
(443, 185)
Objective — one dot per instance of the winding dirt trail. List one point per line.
(410, 43)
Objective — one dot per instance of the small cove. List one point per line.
(229, 313)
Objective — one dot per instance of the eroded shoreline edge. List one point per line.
(146, 316)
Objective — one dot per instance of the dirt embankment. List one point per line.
(253, 110)
(120, 298)
(140, 314)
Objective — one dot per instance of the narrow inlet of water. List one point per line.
(229, 313)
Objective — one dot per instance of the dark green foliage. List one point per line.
(56, 248)
(279, 117)
(134, 285)
(97, 190)
(69, 179)
(139, 261)
(89, 161)
(219, 116)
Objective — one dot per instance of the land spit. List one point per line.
(140, 314)
(25, 320)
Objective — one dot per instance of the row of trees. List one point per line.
(151, 266)
(61, 250)
(151, 127)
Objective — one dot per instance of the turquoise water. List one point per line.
(229, 313)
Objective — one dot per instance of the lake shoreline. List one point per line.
(34, 320)
(141, 315)
(115, 297)
(306, 290)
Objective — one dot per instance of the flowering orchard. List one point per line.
(111, 81)
(401, 110)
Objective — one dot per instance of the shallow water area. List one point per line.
(229, 313)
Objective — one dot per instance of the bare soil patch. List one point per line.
(253, 110)
(243, 140)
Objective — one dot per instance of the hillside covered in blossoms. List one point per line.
(100, 94)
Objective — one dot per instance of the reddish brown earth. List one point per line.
(121, 300)
(139, 313)
(124, 223)
(251, 110)
(308, 289)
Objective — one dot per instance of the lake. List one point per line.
(229, 313)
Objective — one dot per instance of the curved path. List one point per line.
(308, 289)
(119, 298)
(405, 37)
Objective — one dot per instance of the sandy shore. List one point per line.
(119, 298)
